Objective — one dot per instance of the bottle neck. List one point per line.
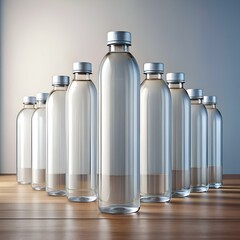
(196, 101)
(210, 106)
(118, 48)
(60, 87)
(175, 85)
(81, 77)
(41, 104)
(28, 106)
(154, 76)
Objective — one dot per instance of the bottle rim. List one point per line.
(177, 77)
(153, 67)
(82, 67)
(60, 80)
(119, 38)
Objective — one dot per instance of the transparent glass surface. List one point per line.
(119, 114)
(56, 142)
(181, 140)
(215, 146)
(81, 128)
(199, 140)
(23, 144)
(155, 140)
(39, 147)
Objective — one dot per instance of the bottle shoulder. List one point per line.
(118, 58)
(119, 69)
(214, 114)
(180, 93)
(81, 88)
(199, 106)
(148, 83)
(55, 98)
(56, 93)
(25, 112)
(199, 109)
(39, 111)
(154, 87)
(88, 84)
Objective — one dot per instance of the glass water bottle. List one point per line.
(56, 137)
(81, 129)
(39, 143)
(181, 135)
(119, 114)
(199, 142)
(23, 144)
(155, 136)
(215, 142)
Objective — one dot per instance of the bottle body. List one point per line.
(181, 140)
(119, 113)
(81, 126)
(56, 142)
(39, 147)
(199, 139)
(155, 141)
(215, 146)
(24, 151)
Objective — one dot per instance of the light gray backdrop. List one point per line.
(41, 38)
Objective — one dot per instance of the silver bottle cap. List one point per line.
(42, 96)
(82, 67)
(195, 93)
(209, 99)
(29, 100)
(60, 80)
(153, 67)
(119, 37)
(178, 77)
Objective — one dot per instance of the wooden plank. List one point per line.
(106, 229)
(29, 214)
(231, 179)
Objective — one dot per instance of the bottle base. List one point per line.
(82, 199)
(24, 183)
(181, 193)
(215, 185)
(57, 193)
(154, 199)
(199, 189)
(39, 188)
(118, 209)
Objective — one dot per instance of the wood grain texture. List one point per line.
(28, 214)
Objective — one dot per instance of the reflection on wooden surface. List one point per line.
(29, 214)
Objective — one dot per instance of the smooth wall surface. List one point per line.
(42, 38)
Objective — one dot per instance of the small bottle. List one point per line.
(23, 144)
(56, 138)
(181, 135)
(81, 129)
(199, 142)
(39, 143)
(119, 138)
(155, 139)
(215, 142)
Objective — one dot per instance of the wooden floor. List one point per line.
(27, 214)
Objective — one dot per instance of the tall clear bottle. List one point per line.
(23, 141)
(56, 137)
(155, 136)
(39, 143)
(119, 114)
(199, 142)
(81, 129)
(215, 142)
(181, 135)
